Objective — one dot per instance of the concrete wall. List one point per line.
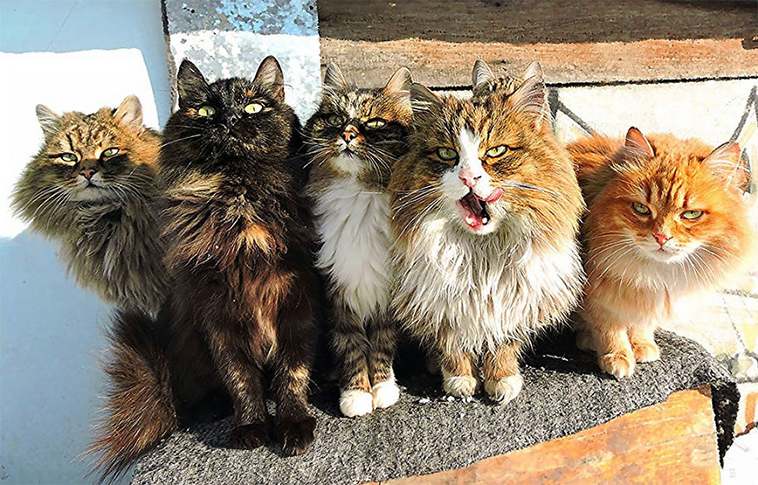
(69, 55)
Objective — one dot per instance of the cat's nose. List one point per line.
(232, 118)
(660, 238)
(468, 178)
(88, 173)
(349, 133)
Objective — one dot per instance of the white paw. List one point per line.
(505, 389)
(356, 403)
(459, 386)
(385, 394)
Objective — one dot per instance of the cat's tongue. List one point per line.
(473, 211)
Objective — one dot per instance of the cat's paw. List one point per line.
(459, 386)
(584, 341)
(249, 436)
(385, 394)
(505, 389)
(646, 351)
(619, 364)
(296, 436)
(354, 402)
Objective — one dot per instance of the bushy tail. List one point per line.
(140, 404)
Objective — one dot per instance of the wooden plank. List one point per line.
(577, 42)
(446, 64)
(671, 442)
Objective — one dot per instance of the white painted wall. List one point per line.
(70, 55)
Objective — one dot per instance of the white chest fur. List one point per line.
(353, 223)
(482, 290)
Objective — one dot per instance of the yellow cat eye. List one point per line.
(109, 152)
(375, 124)
(497, 151)
(691, 215)
(335, 120)
(447, 154)
(69, 158)
(640, 208)
(206, 111)
(253, 108)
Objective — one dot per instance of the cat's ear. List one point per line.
(129, 113)
(481, 74)
(636, 141)
(334, 79)
(270, 74)
(726, 162)
(399, 83)
(534, 69)
(48, 120)
(530, 100)
(190, 81)
(423, 100)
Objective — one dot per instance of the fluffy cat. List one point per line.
(667, 218)
(91, 188)
(354, 140)
(485, 207)
(242, 309)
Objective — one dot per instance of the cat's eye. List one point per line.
(497, 151)
(335, 120)
(68, 158)
(254, 108)
(375, 124)
(109, 152)
(447, 154)
(641, 209)
(692, 215)
(206, 111)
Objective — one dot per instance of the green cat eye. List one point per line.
(640, 208)
(497, 151)
(376, 123)
(68, 157)
(335, 120)
(206, 111)
(253, 108)
(691, 215)
(109, 152)
(447, 154)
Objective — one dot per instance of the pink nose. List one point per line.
(88, 172)
(349, 133)
(660, 238)
(468, 179)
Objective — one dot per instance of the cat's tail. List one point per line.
(140, 405)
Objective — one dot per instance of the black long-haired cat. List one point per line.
(238, 246)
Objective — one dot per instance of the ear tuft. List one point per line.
(399, 83)
(333, 77)
(129, 113)
(422, 99)
(270, 74)
(726, 162)
(534, 69)
(481, 74)
(637, 141)
(530, 99)
(189, 81)
(48, 120)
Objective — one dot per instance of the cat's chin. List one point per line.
(91, 194)
(666, 256)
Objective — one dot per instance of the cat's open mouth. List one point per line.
(474, 211)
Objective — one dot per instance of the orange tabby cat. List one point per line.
(667, 218)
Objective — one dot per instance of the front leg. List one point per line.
(350, 344)
(642, 339)
(243, 380)
(459, 371)
(502, 379)
(296, 337)
(383, 340)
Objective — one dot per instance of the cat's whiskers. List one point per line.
(181, 139)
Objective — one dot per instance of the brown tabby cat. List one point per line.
(667, 219)
(91, 188)
(485, 207)
(240, 315)
(354, 140)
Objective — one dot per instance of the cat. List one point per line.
(243, 307)
(354, 140)
(485, 209)
(666, 219)
(91, 188)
